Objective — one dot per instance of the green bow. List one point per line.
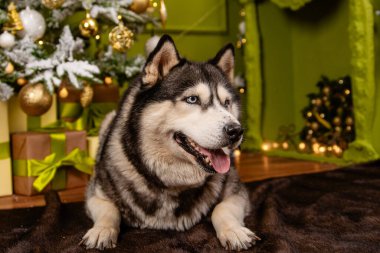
(46, 169)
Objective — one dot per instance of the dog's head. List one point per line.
(188, 114)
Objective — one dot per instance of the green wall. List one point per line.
(376, 121)
(210, 25)
(297, 48)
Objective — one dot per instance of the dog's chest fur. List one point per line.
(147, 206)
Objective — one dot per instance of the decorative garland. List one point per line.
(252, 61)
(361, 39)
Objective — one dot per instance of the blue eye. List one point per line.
(192, 100)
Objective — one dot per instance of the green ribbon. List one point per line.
(70, 110)
(4, 150)
(46, 170)
(89, 118)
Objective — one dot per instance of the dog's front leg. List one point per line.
(228, 220)
(106, 227)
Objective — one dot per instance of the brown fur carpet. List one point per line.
(337, 211)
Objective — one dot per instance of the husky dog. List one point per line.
(163, 160)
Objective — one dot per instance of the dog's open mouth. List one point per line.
(211, 160)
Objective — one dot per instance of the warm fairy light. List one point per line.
(108, 80)
(340, 81)
(40, 42)
(329, 148)
(119, 17)
(63, 93)
(310, 132)
(265, 146)
(241, 90)
(302, 145)
(347, 91)
(337, 150)
(322, 115)
(275, 145)
(243, 40)
(315, 148)
(285, 145)
(155, 4)
(21, 81)
(242, 13)
(97, 37)
(309, 114)
(322, 149)
(237, 153)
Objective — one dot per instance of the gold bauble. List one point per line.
(86, 96)
(108, 80)
(121, 38)
(88, 27)
(53, 4)
(314, 126)
(139, 6)
(337, 121)
(349, 121)
(63, 93)
(9, 68)
(35, 99)
(21, 81)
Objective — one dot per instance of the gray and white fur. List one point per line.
(160, 163)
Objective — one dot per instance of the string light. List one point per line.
(237, 153)
(265, 146)
(242, 13)
(285, 145)
(97, 37)
(241, 90)
(40, 42)
(347, 91)
(275, 145)
(302, 146)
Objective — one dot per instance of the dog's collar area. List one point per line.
(205, 160)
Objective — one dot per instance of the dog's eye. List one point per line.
(192, 100)
(227, 103)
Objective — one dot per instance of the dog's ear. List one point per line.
(225, 60)
(164, 57)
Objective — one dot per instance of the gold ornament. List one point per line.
(314, 126)
(349, 121)
(163, 14)
(86, 95)
(21, 81)
(35, 99)
(108, 80)
(121, 38)
(88, 27)
(139, 6)
(337, 121)
(63, 93)
(53, 4)
(14, 23)
(9, 68)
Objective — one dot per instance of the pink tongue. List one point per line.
(220, 161)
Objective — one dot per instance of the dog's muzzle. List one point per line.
(233, 132)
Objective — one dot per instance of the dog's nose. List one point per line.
(233, 131)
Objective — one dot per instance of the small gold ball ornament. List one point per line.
(88, 27)
(63, 93)
(35, 99)
(21, 81)
(53, 4)
(121, 38)
(86, 95)
(108, 80)
(139, 6)
(9, 68)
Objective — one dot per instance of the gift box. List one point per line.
(60, 161)
(19, 121)
(5, 160)
(105, 99)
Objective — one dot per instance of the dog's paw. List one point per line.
(237, 238)
(100, 238)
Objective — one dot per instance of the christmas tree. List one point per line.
(41, 44)
(329, 118)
